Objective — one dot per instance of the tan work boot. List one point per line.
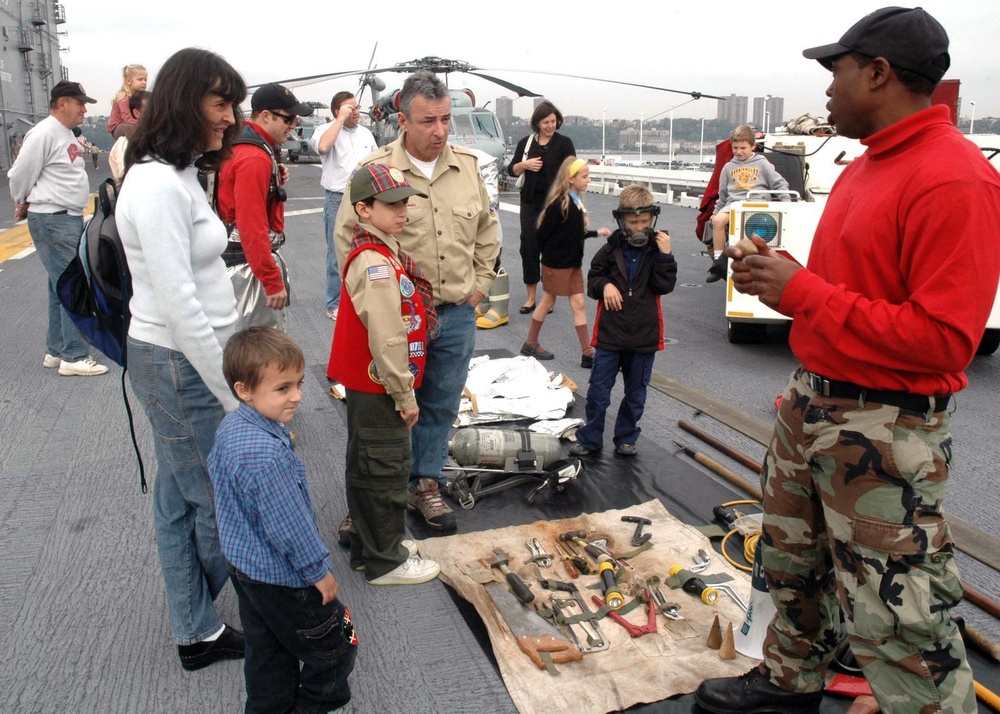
(427, 499)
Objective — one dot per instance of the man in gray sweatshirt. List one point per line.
(49, 185)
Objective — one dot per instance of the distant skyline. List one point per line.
(733, 48)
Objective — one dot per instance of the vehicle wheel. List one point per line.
(293, 157)
(990, 342)
(746, 333)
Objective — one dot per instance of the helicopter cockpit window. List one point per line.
(461, 125)
(485, 123)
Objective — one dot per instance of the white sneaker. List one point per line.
(50, 362)
(85, 367)
(411, 548)
(332, 314)
(412, 571)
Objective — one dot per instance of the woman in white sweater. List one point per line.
(183, 311)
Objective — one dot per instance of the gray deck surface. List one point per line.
(83, 619)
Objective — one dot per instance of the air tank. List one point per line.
(491, 448)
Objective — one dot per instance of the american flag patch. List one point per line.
(378, 272)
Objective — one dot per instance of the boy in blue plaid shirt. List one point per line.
(301, 643)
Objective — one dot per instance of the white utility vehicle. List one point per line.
(788, 226)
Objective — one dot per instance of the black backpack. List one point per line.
(96, 288)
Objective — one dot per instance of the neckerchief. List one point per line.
(364, 237)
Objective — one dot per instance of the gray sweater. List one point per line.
(740, 177)
(50, 171)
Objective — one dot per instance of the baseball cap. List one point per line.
(73, 90)
(908, 38)
(274, 96)
(386, 183)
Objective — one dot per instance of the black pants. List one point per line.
(530, 253)
(299, 651)
(377, 474)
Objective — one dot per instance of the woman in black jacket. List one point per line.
(539, 164)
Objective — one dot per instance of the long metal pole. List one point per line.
(701, 154)
(972, 121)
(604, 118)
(671, 138)
(640, 137)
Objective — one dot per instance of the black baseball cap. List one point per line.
(386, 183)
(908, 38)
(74, 90)
(274, 96)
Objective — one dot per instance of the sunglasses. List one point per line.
(287, 118)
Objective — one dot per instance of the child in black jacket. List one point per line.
(627, 277)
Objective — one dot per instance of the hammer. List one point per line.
(638, 538)
(521, 591)
(577, 537)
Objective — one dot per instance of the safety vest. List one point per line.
(351, 362)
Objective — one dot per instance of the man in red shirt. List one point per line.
(888, 313)
(251, 202)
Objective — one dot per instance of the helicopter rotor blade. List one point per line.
(693, 95)
(361, 85)
(519, 91)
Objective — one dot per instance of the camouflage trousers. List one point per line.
(853, 521)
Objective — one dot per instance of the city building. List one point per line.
(505, 108)
(733, 110)
(768, 112)
(29, 67)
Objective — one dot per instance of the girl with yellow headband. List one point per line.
(562, 228)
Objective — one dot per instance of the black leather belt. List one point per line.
(847, 390)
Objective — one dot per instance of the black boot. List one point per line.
(753, 693)
(718, 269)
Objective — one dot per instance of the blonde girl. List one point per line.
(562, 228)
(121, 122)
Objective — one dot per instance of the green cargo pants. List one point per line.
(376, 476)
(853, 521)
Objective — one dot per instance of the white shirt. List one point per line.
(182, 298)
(339, 163)
(50, 171)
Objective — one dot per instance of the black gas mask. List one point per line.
(636, 240)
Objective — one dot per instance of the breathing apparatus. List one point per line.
(636, 240)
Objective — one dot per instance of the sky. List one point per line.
(715, 47)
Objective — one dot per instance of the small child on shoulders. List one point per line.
(278, 563)
(747, 171)
(379, 350)
(627, 277)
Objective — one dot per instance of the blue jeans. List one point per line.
(184, 415)
(330, 207)
(636, 370)
(286, 626)
(440, 392)
(57, 238)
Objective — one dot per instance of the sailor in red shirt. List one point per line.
(251, 202)
(887, 315)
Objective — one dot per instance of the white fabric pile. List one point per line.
(513, 388)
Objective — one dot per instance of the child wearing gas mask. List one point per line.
(562, 228)
(627, 277)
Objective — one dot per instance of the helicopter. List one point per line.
(472, 126)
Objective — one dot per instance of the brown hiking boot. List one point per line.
(427, 499)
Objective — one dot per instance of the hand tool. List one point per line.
(571, 568)
(612, 595)
(701, 561)
(664, 606)
(577, 537)
(542, 642)
(638, 538)
(518, 586)
(719, 470)
(572, 613)
(731, 592)
(633, 630)
(538, 554)
(688, 581)
(558, 585)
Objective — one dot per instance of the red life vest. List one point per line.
(351, 362)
